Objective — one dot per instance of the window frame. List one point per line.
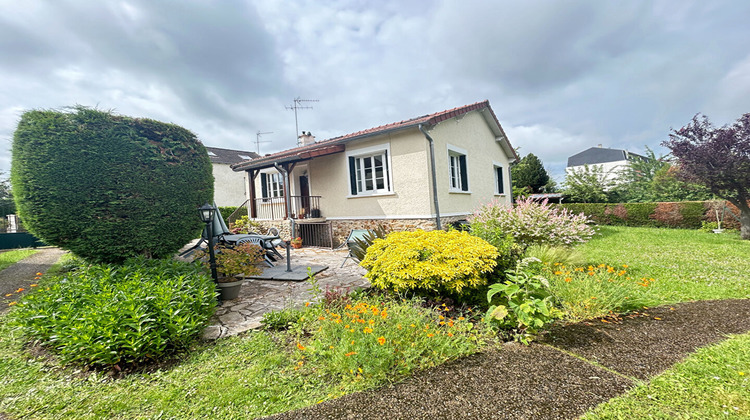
(271, 185)
(499, 176)
(458, 170)
(362, 169)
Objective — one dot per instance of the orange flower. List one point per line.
(307, 304)
(460, 318)
(38, 274)
(450, 334)
(367, 330)
(8, 294)
(350, 353)
(568, 279)
(20, 289)
(13, 303)
(301, 347)
(381, 340)
(430, 335)
(371, 322)
(34, 285)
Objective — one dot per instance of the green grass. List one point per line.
(9, 258)
(687, 265)
(713, 383)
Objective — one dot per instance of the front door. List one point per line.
(304, 192)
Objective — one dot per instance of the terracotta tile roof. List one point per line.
(328, 146)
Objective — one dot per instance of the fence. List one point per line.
(317, 234)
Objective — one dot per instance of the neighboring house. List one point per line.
(229, 186)
(613, 162)
(383, 175)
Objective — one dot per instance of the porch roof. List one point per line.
(336, 144)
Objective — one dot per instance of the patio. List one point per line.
(259, 296)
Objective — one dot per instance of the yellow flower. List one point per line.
(38, 274)
(430, 335)
(33, 285)
(367, 330)
(13, 303)
(381, 340)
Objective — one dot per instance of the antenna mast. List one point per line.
(257, 139)
(298, 105)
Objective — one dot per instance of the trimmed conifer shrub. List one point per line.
(109, 187)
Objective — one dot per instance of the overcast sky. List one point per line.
(562, 76)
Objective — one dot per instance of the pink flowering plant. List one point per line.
(530, 222)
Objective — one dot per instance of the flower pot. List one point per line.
(230, 290)
(718, 230)
(296, 245)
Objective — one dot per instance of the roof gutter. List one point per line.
(434, 176)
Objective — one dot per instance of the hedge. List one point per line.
(684, 214)
(109, 187)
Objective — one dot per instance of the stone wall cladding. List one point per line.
(342, 227)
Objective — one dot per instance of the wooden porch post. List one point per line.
(251, 174)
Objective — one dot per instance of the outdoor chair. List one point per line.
(350, 242)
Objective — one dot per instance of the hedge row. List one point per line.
(685, 214)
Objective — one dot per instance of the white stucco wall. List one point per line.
(612, 170)
(472, 134)
(229, 186)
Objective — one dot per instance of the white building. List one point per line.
(229, 186)
(613, 162)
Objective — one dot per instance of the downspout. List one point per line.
(510, 181)
(434, 176)
(286, 196)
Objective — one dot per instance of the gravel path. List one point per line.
(570, 370)
(21, 274)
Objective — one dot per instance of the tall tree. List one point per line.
(529, 173)
(6, 196)
(718, 158)
(637, 179)
(590, 184)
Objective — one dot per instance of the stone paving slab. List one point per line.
(297, 273)
(271, 293)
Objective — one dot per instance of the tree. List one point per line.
(109, 187)
(6, 198)
(667, 186)
(530, 174)
(591, 184)
(636, 181)
(718, 158)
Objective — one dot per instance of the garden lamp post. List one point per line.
(207, 216)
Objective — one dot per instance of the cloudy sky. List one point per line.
(561, 76)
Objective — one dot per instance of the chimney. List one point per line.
(306, 138)
(598, 145)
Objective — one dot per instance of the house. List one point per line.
(613, 162)
(229, 186)
(384, 176)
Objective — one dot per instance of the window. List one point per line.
(369, 171)
(272, 185)
(499, 187)
(459, 175)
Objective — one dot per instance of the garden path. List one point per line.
(21, 275)
(260, 296)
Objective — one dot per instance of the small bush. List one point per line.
(530, 222)
(281, 320)
(105, 315)
(436, 261)
(522, 303)
(551, 255)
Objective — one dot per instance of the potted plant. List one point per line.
(233, 265)
(296, 242)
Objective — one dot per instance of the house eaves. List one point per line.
(337, 144)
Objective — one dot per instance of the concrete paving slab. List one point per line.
(298, 273)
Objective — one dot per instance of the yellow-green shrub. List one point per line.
(436, 261)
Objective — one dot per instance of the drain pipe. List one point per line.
(434, 176)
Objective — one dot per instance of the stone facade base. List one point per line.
(340, 228)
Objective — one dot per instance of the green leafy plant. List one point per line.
(242, 259)
(107, 315)
(522, 304)
(281, 320)
(109, 187)
(360, 246)
(551, 255)
(429, 261)
(245, 225)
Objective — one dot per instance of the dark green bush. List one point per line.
(105, 315)
(226, 212)
(109, 187)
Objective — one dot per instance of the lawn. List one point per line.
(9, 258)
(263, 373)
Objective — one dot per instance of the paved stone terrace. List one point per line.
(260, 296)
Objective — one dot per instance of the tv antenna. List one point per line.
(257, 139)
(298, 105)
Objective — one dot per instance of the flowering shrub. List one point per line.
(596, 291)
(436, 261)
(530, 223)
(377, 339)
(230, 262)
